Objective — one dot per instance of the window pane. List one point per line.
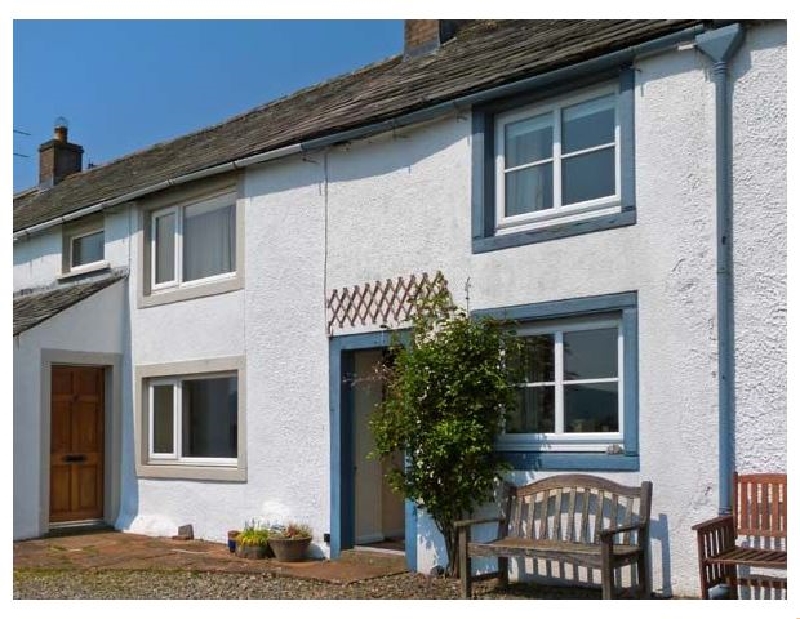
(529, 140)
(163, 419)
(536, 411)
(209, 418)
(165, 248)
(209, 241)
(589, 176)
(587, 124)
(591, 408)
(538, 363)
(88, 249)
(590, 354)
(529, 189)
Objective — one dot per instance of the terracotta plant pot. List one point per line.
(252, 551)
(290, 549)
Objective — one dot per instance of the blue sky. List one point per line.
(126, 84)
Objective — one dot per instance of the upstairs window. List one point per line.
(194, 243)
(86, 249)
(558, 159)
(554, 162)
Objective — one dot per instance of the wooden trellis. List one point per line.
(381, 302)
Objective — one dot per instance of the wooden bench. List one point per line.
(578, 519)
(759, 514)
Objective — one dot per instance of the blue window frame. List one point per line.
(580, 397)
(554, 164)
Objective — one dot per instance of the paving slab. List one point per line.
(128, 551)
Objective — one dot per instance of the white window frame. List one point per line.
(177, 246)
(89, 266)
(574, 441)
(177, 421)
(178, 211)
(558, 211)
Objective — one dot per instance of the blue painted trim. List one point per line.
(570, 461)
(720, 46)
(561, 308)
(484, 238)
(551, 233)
(342, 479)
(627, 142)
(630, 364)
(411, 535)
(627, 304)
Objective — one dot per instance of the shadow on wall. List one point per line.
(400, 151)
(659, 531)
(129, 486)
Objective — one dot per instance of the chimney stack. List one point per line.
(58, 158)
(426, 35)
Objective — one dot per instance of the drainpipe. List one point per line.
(720, 46)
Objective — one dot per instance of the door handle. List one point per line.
(70, 458)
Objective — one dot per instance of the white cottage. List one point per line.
(187, 324)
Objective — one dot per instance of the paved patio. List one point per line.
(126, 551)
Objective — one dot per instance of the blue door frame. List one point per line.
(342, 365)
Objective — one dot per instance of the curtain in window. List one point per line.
(209, 241)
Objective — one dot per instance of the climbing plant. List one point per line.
(448, 391)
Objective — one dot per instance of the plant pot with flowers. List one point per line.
(290, 542)
(253, 543)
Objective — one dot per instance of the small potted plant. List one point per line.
(253, 542)
(290, 542)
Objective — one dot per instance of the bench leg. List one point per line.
(641, 577)
(607, 572)
(502, 572)
(733, 582)
(464, 563)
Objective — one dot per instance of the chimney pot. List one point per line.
(59, 158)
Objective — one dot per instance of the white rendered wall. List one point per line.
(95, 325)
(759, 245)
(37, 260)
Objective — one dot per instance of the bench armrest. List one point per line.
(605, 533)
(714, 523)
(468, 523)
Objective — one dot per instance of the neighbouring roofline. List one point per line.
(454, 104)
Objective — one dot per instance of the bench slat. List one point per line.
(557, 514)
(571, 514)
(598, 515)
(584, 537)
(626, 537)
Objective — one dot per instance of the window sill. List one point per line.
(192, 472)
(558, 230)
(87, 269)
(570, 461)
(192, 291)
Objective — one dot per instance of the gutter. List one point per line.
(720, 46)
(588, 67)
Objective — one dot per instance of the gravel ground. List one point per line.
(152, 584)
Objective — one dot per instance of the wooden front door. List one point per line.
(76, 443)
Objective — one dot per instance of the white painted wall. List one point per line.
(97, 324)
(37, 260)
(759, 244)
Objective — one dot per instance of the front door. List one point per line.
(76, 443)
(379, 512)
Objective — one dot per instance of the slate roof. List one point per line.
(483, 55)
(35, 307)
